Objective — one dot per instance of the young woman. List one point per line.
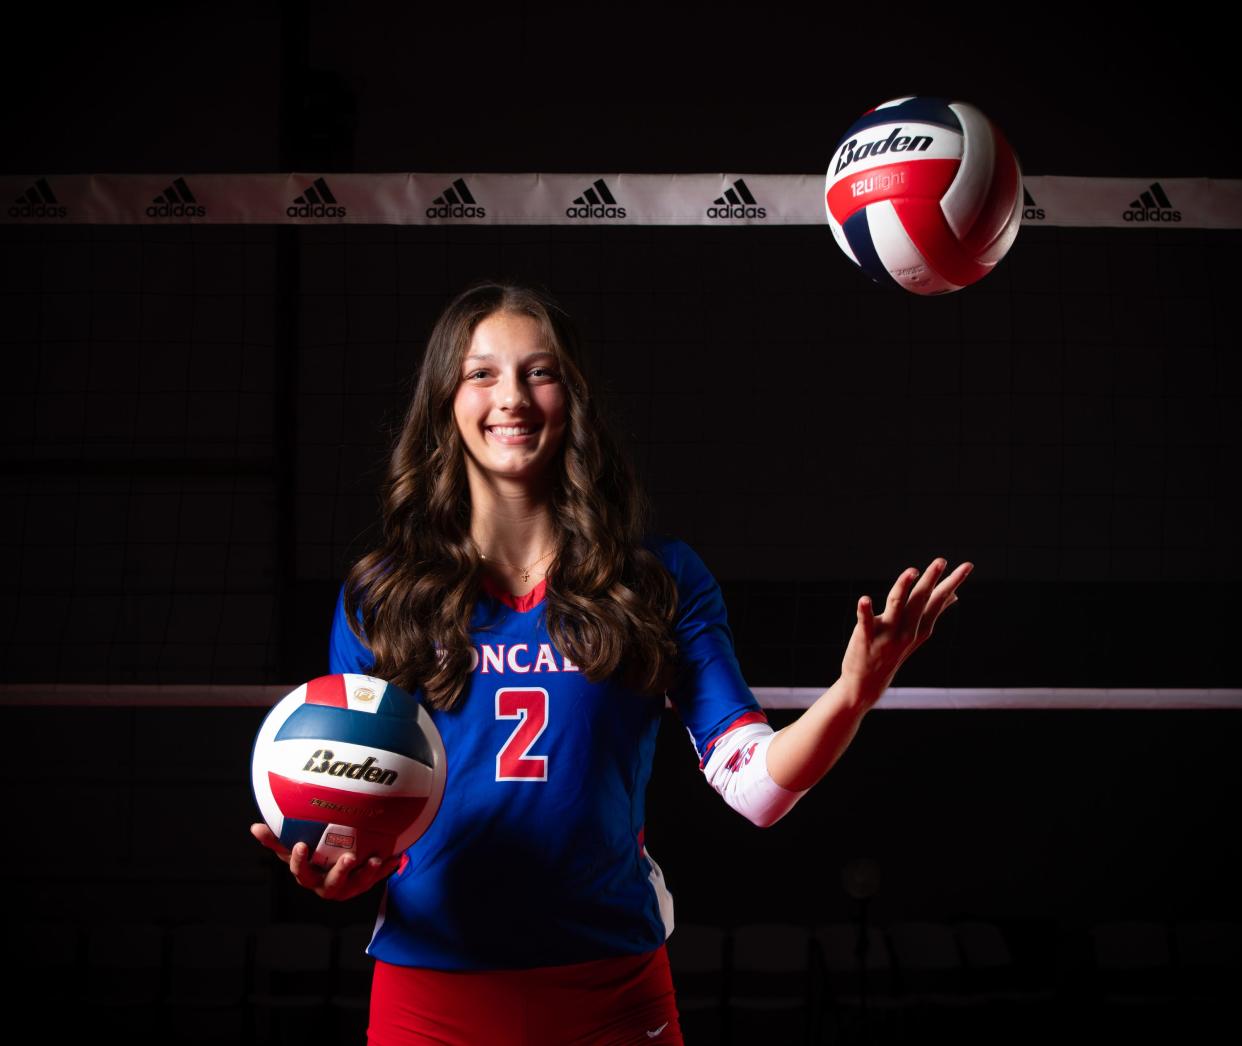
(518, 590)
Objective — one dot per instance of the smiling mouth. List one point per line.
(512, 433)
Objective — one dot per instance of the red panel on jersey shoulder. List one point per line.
(742, 720)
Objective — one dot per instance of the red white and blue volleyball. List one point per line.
(924, 194)
(348, 763)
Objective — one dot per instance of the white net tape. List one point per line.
(906, 698)
(563, 199)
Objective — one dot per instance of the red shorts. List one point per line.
(609, 1001)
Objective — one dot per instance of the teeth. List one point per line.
(511, 430)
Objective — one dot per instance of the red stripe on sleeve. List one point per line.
(742, 720)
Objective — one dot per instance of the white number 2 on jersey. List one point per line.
(528, 705)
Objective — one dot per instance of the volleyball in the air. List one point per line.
(925, 194)
(348, 763)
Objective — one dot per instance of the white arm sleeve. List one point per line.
(738, 770)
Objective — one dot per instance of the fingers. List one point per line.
(866, 618)
(899, 593)
(942, 597)
(268, 838)
(908, 598)
(922, 591)
(916, 601)
(304, 871)
(336, 883)
(389, 867)
(951, 583)
(348, 877)
(944, 594)
(374, 870)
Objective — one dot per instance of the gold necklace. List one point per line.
(525, 571)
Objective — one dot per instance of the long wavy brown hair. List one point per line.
(610, 602)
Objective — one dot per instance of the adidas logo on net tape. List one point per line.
(596, 202)
(42, 199)
(456, 202)
(1152, 205)
(1031, 211)
(316, 201)
(176, 202)
(37, 202)
(737, 202)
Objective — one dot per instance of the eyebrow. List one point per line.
(485, 356)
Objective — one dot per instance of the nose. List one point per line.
(512, 392)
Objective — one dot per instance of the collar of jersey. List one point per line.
(519, 603)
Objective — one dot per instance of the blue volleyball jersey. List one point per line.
(536, 856)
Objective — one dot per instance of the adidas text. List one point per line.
(594, 210)
(176, 210)
(316, 210)
(736, 210)
(1031, 214)
(896, 142)
(1152, 214)
(456, 210)
(38, 210)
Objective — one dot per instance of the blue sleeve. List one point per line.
(346, 652)
(710, 694)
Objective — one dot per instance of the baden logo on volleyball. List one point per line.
(852, 152)
(323, 761)
(924, 194)
(348, 763)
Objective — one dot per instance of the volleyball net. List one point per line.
(199, 406)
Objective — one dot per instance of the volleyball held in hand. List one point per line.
(348, 764)
(924, 193)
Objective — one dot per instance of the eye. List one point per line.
(544, 374)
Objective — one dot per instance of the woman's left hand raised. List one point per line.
(881, 643)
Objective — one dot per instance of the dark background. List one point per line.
(195, 424)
